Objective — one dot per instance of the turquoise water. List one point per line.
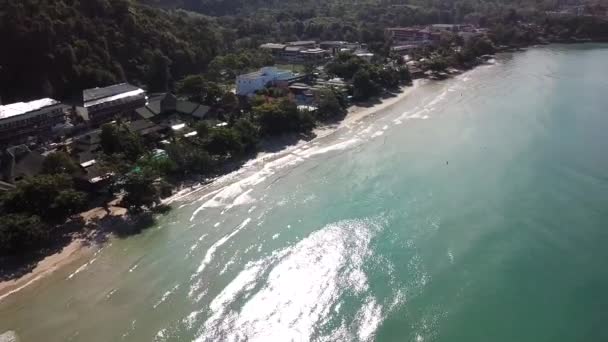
(473, 210)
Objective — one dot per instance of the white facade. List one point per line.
(22, 119)
(250, 83)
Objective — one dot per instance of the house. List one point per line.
(145, 128)
(454, 28)
(166, 104)
(21, 120)
(19, 162)
(100, 105)
(404, 49)
(365, 55)
(248, 84)
(312, 56)
(335, 47)
(275, 49)
(298, 52)
(305, 44)
(291, 54)
(411, 36)
(301, 93)
(93, 177)
(87, 146)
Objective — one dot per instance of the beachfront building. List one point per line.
(335, 47)
(248, 84)
(313, 56)
(100, 105)
(411, 36)
(454, 28)
(21, 120)
(298, 52)
(365, 55)
(305, 44)
(275, 49)
(404, 49)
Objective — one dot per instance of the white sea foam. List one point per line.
(377, 134)
(81, 268)
(165, 296)
(110, 293)
(368, 320)
(211, 251)
(303, 283)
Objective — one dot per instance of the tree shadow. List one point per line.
(18, 265)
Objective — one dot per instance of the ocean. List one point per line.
(475, 209)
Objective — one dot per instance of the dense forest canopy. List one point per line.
(58, 47)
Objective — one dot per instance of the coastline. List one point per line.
(81, 247)
(75, 250)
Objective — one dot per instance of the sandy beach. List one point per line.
(72, 252)
(78, 248)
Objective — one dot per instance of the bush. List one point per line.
(21, 233)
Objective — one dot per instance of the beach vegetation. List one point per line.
(59, 163)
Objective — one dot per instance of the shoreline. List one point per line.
(75, 250)
(79, 247)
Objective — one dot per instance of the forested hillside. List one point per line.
(57, 47)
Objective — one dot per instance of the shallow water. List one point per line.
(473, 210)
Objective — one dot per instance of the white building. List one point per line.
(34, 118)
(248, 84)
(103, 104)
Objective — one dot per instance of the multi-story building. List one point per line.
(336, 47)
(305, 44)
(300, 52)
(275, 49)
(248, 84)
(411, 36)
(21, 120)
(101, 105)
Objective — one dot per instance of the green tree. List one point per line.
(51, 197)
(193, 87)
(223, 141)
(140, 191)
(363, 86)
(248, 133)
(189, 158)
(59, 162)
(117, 138)
(328, 104)
(20, 233)
(159, 73)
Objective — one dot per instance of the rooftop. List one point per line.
(264, 71)
(334, 42)
(272, 46)
(95, 96)
(293, 48)
(444, 25)
(301, 42)
(20, 108)
(313, 51)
